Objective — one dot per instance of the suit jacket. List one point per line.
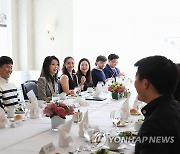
(110, 73)
(45, 89)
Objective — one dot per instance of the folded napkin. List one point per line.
(125, 109)
(3, 118)
(81, 101)
(31, 95)
(99, 88)
(105, 88)
(136, 103)
(34, 108)
(82, 123)
(64, 135)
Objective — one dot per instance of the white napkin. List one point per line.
(64, 135)
(31, 95)
(81, 101)
(125, 109)
(99, 88)
(3, 118)
(105, 88)
(81, 124)
(136, 103)
(34, 108)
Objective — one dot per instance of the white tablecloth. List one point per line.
(36, 133)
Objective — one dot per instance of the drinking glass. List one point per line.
(77, 91)
(111, 81)
(116, 117)
(88, 133)
(55, 97)
(26, 109)
(131, 124)
(94, 137)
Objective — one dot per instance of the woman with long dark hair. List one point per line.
(48, 80)
(68, 80)
(84, 74)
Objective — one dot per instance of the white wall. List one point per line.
(58, 15)
(29, 41)
(133, 29)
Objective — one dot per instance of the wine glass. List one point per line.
(116, 117)
(26, 109)
(77, 91)
(111, 81)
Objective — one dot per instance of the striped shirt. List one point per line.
(8, 93)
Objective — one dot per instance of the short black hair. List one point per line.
(161, 72)
(113, 56)
(101, 58)
(5, 60)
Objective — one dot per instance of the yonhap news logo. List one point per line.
(100, 139)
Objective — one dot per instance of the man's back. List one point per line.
(161, 125)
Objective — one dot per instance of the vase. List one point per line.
(56, 121)
(116, 95)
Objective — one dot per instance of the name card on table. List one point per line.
(46, 149)
(16, 124)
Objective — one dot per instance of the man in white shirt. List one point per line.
(8, 91)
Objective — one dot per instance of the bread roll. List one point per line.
(17, 117)
(133, 111)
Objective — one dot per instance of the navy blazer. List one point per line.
(110, 72)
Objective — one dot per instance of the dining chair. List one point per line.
(27, 86)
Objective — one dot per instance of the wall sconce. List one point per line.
(2, 17)
(50, 31)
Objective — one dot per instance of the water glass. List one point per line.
(116, 117)
(88, 132)
(55, 97)
(77, 91)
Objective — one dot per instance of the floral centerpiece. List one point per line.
(58, 112)
(117, 90)
(59, 109)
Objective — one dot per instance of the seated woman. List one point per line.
(84, 74)
(68, 80)
(48, 80)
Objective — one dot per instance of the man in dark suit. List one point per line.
(156, 80)
(111, 71)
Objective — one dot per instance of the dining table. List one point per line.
(33, 134)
